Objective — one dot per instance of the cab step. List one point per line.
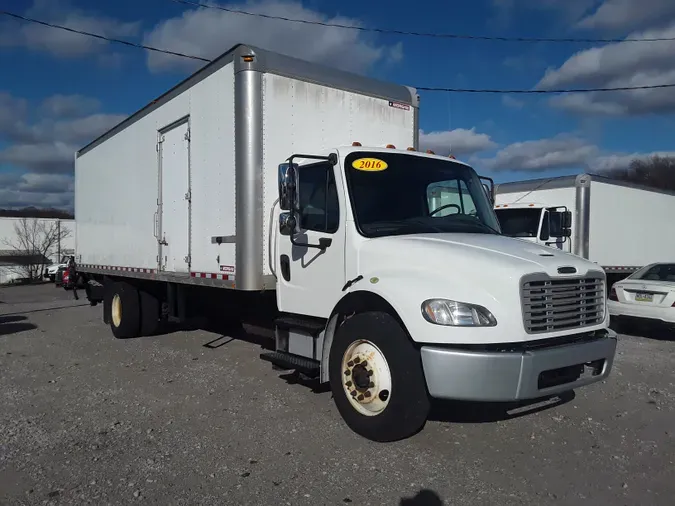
(288, 361)
(308, 325)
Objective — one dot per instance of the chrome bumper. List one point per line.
(512, 376)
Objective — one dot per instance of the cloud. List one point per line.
(58, 42)
(461, 142)
(42, 153)
(622, 161)
(616, 65)
(69, 105)
(623, 15)
(38, 190)
(562, 151)
(209, 32)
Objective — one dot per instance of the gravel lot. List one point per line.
(197, 418)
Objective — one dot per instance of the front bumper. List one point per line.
(495, 376)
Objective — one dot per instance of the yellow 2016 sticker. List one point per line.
(370, 164)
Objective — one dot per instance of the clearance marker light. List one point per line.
(356, 143)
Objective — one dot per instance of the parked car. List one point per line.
(648, 294)
(54, 269)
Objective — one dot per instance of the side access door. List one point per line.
(174, 202)
(310, 280)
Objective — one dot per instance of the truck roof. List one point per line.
(571, 181)
(346, 150)
(279, 64)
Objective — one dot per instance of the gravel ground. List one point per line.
(197, 418)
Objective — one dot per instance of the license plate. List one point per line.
(644, 297)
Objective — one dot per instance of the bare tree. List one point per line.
(36, 240)
(656, 172)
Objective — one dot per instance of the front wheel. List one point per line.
(377, 379)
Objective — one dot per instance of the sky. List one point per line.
(59, 90)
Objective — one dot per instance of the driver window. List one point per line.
(449, 197)
(318, 199)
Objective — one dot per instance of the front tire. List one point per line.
(377, 378)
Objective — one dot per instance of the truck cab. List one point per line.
(396, 284)
(537, 223)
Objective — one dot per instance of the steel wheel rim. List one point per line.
(366, 378)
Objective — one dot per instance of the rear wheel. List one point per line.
(377, 379)
(125, 314)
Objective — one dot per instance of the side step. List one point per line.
(289, 361)
(312, 326)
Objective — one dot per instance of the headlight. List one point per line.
(457, 314)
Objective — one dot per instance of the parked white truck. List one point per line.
(618, 225)
(241, 192)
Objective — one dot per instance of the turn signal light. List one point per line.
(411, 149)
(391, 146)
(247, 58)
(612, 295)
(429, 152)
(356, 143)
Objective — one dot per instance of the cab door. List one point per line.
(310, 279)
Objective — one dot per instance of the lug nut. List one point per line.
(371, 385)
(353, 392)
(357, 360)
(347, 372)
(360, 397)
(367, 393)
(350, 363)
(364, 363)
(349, 383)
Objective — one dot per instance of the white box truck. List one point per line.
(618, 225)
(263, 187)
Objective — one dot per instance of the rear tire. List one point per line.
(125, 311)
(385, 400)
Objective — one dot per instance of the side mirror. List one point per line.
(489, 187)
(567, 220)
(288, 184)
(287, 223)
(567, 232)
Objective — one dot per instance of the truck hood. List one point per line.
(507, 256)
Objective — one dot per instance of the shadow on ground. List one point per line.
(13, 324)
(656, 330)
(424, 497)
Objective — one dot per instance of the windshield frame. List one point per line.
(491, 225)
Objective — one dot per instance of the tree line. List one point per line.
(655, 172)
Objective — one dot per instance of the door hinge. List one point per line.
(159, 142)
(188, 195)
(187, 136)
(188, 259)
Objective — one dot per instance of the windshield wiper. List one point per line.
(473, 220)
(380, 226)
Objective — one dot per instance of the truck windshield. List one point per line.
(519, 222)
(396, 194)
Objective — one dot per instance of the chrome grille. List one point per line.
(551, 305)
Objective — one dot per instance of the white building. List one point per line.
(13, 255)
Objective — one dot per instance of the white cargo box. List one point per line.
(183, 190)
(619, 225)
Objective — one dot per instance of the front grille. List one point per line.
(551, 305)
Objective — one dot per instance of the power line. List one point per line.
(101, 37)
(412, 33)
(420, 88)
